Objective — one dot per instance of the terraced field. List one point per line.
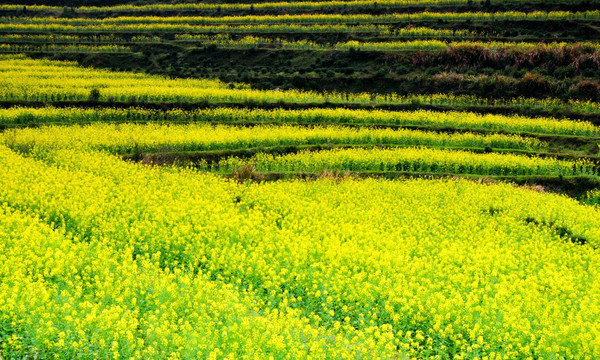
(398, 179)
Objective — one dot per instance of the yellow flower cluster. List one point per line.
(281, 28)
(127, 138)
(156, 22)
(64, 298)
(252, 28)
(143, 262)
(426, 44)
(439, 45)
(198, 24)
(63, 48)
(44, 80)
(275, 5)
(48, 81)
(19, 116)
(419, 31)
(414, 160)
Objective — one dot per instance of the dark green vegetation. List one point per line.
(69, 7)
(469, 70)
(570, 71)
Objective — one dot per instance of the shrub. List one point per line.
(466, 55)
(588, 90)
(94, 95)
(565, 72)
(247, 172)
(587, 61)
(533, 84)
